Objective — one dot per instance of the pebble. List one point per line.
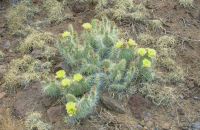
(196, 126)
(166, 126)
(2, 95)
(196, 98)
(111, 104)
(180, 111)
(6, 45)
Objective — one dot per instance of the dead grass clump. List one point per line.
(122, 9)
(159, 94)
(165, 46)
(21, 72)
(186, 3)
(176, 76)
(54, 10)
(34, 122)
(166, 49)
(155, 24)
(167, 63)
(39, 41)
(7, 123)
(36, 40)
(146, 39)
(166, 41)
(18, 16)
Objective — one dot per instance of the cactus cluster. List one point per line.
(100, 60)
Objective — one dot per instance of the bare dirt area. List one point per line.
(135, 112)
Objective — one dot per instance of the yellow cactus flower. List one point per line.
(146, 63)
(132, 43)
(151, 53)
(66, 34)
(77, 77)
(60, 74)
(119, 44)
(66, 82)
(71, 108)
(87, 26)
(142, 51)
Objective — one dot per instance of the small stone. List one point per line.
(196, 98)
(55, 113)
(180, 111)
(2, 95)
(166, 126)
(58, 67)
(196, 126)
(1, 118)
(61, 66)
(139, 127)
(184, 128)
(6, 45)
(37, 54)
(2, 31)
(149, 124)
(111, 104)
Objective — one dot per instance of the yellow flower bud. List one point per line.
(77, 77)
(60, 74)
(66, 34)
(151, 53)
(142, 51)
(119, 44)
(87, 26)
(66, 82)
(71, 108)
(146, 63)
(132, 43)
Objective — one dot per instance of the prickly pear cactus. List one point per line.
(100, 60)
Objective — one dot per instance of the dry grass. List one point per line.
(18, 16)
(40, 42)
(21, 72)
(155, 24)
(8, 123)
(146, 39)
(36, 40)
(122, 10)
(54, 10)
(34, 121)
(186, 3)
(159, 95)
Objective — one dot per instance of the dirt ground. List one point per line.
(139, 113)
